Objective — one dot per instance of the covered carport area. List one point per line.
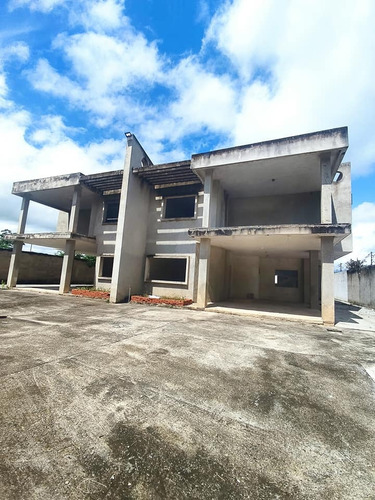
(284, 269)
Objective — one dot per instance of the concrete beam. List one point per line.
(316, 142)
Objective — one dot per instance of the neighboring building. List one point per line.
(262, 221)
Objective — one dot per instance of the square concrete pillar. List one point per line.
(207, 198)
(314, 279)
(67, 266)
(74, 211)
(23, 215)
(328, 297)
(203, 271)
(14, 264)
(326, 190)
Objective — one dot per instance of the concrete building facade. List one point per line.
(262, 222)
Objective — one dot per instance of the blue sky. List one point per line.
(185, 76)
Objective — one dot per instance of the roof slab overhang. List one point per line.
(285, 240)
(83, 244)
(278, 167)
(57, 191)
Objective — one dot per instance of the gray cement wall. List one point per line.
(217, 280)
(169, 237)
(268, 290)
(42, 268)
(356, 288)
(341, 286)
(301, 208)
(342, 207)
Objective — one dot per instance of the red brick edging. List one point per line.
(139, 299)
(94, 294)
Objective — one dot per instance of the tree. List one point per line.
(7, 244)
(89, 259)
(354, 265)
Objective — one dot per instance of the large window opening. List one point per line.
(167, 269)
(286, 279)
(179, 207)
(107, 267)
(111, 208)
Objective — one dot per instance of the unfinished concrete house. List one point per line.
(260, 223)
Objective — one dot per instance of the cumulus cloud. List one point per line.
(303, 66)
(363, 229)
(37, 5)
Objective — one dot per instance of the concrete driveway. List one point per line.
(118, 401)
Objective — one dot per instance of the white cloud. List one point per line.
(363, 229)
(37, 5)
(30, 152)
(99, 15)
(303, 66)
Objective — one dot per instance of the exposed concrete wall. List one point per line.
(62, 222)
(243, 276)
(341, 286)
(42, 268)
(170, 237)
(130, 248)
(84, 221)
(301, 208)
(342, 206)
(359, 289)
(269, 291)
(217, 282)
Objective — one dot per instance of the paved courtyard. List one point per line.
(120, 401)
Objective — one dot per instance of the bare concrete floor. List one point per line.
(279, 310)
(104, 401)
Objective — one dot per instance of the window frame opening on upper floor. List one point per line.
(111, 207)
(179, 207)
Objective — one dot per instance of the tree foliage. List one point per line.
(89, 259)
(354, 265)
(7, 244)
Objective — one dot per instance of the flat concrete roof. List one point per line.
(277, 167)
(84, 244)
(293, 240)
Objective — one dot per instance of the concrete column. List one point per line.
(17, 245)
(326, 191)
(328, 297)
(207, 198)
(14, 264)
(306, 281)
(203, 271)
(74, 211)
(314, 279)
(67, 266)
(23, 215)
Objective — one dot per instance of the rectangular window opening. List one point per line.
(179, 207)
(167, 269)
(111, 209)
(107, 267)
(286, 279)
